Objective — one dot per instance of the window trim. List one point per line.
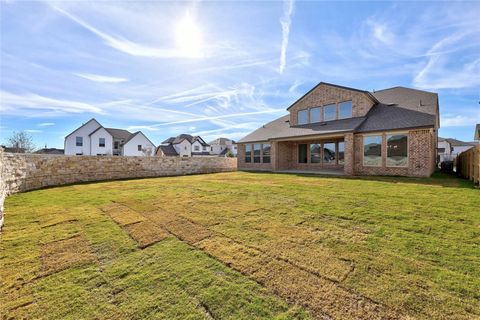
(269, 156)
(386, 146)
(76, 141)
(100, 144)
(260, 153)
(381, 149)
(139, 147)
(335, 144)
(320, 108)
(248, 152)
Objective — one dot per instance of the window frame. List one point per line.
(324, 107)
(100, 142)
(77, 143)
(319, 144)
(390, 134)
(307, 112)
(139, 147)
(340, 109)
(196, 148)
(338, 153)
(259, 156)
(306, 153)
(334, 162)
(268, 154)
(248, 153)
(381, 150)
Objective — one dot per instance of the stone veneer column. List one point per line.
(349, 166)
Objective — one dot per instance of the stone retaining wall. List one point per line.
(23, 172)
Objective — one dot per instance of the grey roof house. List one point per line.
(349, 131)
(183, 145)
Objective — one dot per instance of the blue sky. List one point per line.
(224, 68)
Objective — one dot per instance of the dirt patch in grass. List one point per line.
(63, 254)
(122, 214)
(145, 233)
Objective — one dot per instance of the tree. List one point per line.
(22, 142)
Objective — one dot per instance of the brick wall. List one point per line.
(22, 172)
(325, 94)
(421, 156)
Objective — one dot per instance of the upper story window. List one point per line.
(101, 142)
(79, 141)
(372, 151)
(315, 114)
(397, 150)
(345, 110)
(329, 112)
(303, 117)
(139, 147)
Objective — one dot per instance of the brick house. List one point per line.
(344, 130)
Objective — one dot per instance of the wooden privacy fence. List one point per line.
(468, 164)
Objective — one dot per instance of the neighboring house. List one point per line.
(222, 146)
(184, 145)
(351, 131)
(92, 138)
(448, 148)
(476, 137)
(49, 151)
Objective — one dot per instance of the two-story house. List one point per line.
(349, 131)
(222, 146)
(183, 145)
(91, 139)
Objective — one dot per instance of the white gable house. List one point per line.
(184, 145)
(93, 139)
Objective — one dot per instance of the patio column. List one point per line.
(274, 155)
(349, 166)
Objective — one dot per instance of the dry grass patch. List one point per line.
(63, 254)
(122, 214)
(145, 233)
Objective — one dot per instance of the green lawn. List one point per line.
(244, 246)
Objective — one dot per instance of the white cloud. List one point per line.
(457, 120)
(99, 78)
(11, 103)
(33, 131)
(45, 124)
(285, 21)
(381, 31)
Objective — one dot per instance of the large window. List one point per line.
(329, 112)
(372, 151)
(101, 142)
(79, 141)
(116, 145)
(345, 110)
(397, 150)
(303, 117)
(248, 153)
(139, 147)
(341, 152)
(266, 153)
(315, 155)
(329, 152)
(302, 153)
(315, 114)
(256, 153)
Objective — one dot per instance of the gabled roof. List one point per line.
(383, 117)
(221, 141)
(184, 136)
(93, 119)
(120, 134)
(280, 128)
(367, 93)
(134, 134)
(413, 99)
(167, 150)
(458, 143)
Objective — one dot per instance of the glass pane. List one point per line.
(256, 152)
(266, 149)
(302, 153)
(101, 142)
(345, 109)
(372, 151)
(248, 153)
(397, 150)
(248, 148)
(315, 156)
(329, 152)
(315, 114)
(266, 159)
(329, 112)
(303, 117)
(79, 141)
(341, 152)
